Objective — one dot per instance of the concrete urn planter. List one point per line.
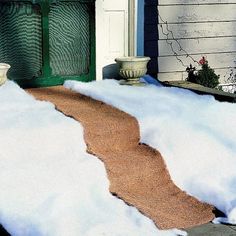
(3, 72)
(132, 68)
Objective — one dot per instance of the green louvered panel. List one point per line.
(20, 39)
(69, 38)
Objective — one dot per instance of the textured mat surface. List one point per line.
(137, 173)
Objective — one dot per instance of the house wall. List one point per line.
(202, 28)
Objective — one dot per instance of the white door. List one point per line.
(111, 35)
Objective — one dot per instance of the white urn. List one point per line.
(132, 68)
(3, 72)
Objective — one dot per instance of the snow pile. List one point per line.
(195, 134)
(49, 184)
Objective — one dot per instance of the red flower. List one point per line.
(203, 61)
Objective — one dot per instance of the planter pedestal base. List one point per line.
(132, 82)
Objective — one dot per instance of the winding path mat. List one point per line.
(137, 173)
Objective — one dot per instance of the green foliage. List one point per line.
(206, 76)
(192, 75)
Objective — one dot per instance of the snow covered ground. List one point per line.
(195, 134)
(49, 184)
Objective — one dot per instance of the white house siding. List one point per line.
(202, 28)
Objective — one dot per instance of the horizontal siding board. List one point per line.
(197, 30)
(170, 63)
(188, 2)
(171, 76)
(197, 13)
(198, 46)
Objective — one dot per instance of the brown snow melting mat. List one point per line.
(137, 173)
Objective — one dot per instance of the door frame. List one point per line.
(132, 27)
(132, 32)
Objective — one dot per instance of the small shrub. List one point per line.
(206, 76)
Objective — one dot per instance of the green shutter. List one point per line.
(46, 42)
(69, 38)
(21, 39)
